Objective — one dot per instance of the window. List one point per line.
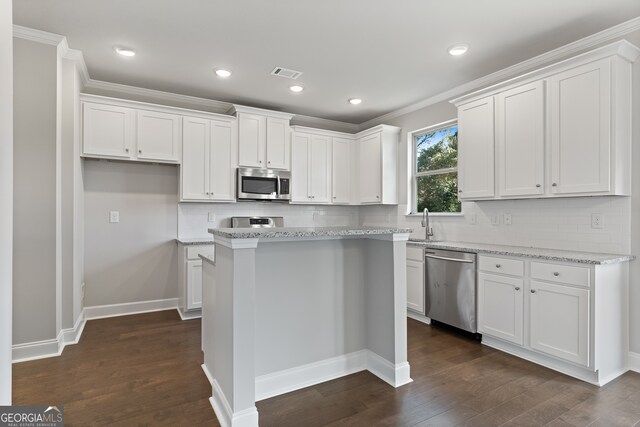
(435, 169)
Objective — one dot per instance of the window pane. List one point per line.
(438, 193)
(437, 150)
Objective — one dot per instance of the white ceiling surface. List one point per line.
(390, 53)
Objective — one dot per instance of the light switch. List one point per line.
(114, 216)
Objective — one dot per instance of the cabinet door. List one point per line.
(559, 323)
(320, 168)
(222, 161)
(476, 150)
(194, 284)
(195, 159)
(500, 307)
(340, 170)
(252, 139)
(300, 191)
(520, 140)
(371, 169)
(108, 130)
(278, 143)
(159, 136)
(415, 286)
(581, 129)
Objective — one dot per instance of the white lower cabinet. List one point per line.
(415, 279)
(190, 278)
(559, 321)
(501, 307)
(567, 316)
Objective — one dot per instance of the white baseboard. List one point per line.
(634, 361)
(188, 315)
(222, 408)
(49, 348)
(307, 375)
(419, 317)
(115, 310)
(394, 375)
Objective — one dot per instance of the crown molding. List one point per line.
(562, 52)
(209, 105)
(37, 35)
(326, 124)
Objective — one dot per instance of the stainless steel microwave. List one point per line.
(263, 184)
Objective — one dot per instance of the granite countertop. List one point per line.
(195, 241)
(539, 253)
(208, 258)
(251, 233)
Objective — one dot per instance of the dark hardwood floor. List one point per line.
(144, 370)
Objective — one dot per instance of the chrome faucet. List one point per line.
(425, 223)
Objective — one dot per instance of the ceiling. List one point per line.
(390, 53)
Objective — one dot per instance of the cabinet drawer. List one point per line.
(512, 267)
(194, 251)
(415, 253)
(572, 275)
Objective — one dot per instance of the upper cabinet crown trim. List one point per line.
(623, 49)
(98, 99)
(251, 110)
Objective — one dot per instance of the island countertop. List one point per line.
(292, 232)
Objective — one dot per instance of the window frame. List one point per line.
(414, 174)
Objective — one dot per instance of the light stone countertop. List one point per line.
(539, 253)
(196, 241)
(208, 258)
(252, 233)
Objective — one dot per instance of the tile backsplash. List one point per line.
(193, 218)
(546, 223)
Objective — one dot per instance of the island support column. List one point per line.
(228, 320)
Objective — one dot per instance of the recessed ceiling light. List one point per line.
(296, 88)
(355, 101)
(124, 51)
(458, 49)
(223, 73)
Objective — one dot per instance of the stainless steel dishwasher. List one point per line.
(450, 288)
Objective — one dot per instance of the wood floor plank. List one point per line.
(144, 370)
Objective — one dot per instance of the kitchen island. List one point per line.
(287, 308)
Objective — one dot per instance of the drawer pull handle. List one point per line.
(554, 184)
(555, 273)
(538, 185)
(517, 288)
(533, 291)
(498, 266)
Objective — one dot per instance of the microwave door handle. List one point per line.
(278, 187)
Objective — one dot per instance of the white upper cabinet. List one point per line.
(159, 136)
(108, 130)
(581, 129)
(264, 138)
(209, 159)
(476, 150)
(520, 140)
(563, 130)
(377, 165)
(341, 171)
(311, 168)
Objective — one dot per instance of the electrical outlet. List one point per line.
(211, 217)
(471, 219)
(597, 220)
(114, 216)
(495, 219)
(506, 219)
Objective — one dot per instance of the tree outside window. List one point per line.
(436, 170)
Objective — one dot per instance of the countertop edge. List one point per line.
(194, 242)
(304, 232)
(208, 258)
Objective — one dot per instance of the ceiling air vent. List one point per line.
(285, 72)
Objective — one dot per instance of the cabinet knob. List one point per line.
(140, 151)
(334, 197)
(260, 161)
(554, 185)
(459, 191)
(498, 266)
(126, 150)
(269, 162)
(555, 273)
(533, 291)
(377, 197)
(538, 185)
(517, 288)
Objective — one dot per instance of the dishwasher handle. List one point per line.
(466, 261)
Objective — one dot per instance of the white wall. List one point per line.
(135, 259)
(6, 198)
(35, 207)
